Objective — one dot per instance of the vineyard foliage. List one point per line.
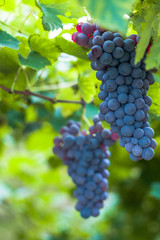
(37, 54)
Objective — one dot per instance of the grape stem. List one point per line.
(52, 100)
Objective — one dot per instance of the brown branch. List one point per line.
(52, 100)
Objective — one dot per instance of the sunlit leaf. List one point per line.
(50, 20)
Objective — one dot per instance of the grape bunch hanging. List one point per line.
(87, 158)
(124, 106)
(124, 86)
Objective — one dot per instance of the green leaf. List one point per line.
(153, 57)
(34, 60)
(71, 48)
(6, 40)
(145, 34)
(109, 13)
(154, 93)
(87, 88)
(51, 48)
(23, 47)
(46, 47)
(50, 20)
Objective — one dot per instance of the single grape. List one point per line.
(106, 58)
(108, 46)
(81, 39)
(125, 69)
(130, 109)
(148, 153)
(129, 45)
(87, 28)
(123, 98)
(107, 36)
(118, 52)
(98, 40)
(137, 151)
(96, 51)
(127, 131)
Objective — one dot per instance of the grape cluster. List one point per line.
(87, 158)
(123, 91)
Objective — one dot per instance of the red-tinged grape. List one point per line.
(78, 27)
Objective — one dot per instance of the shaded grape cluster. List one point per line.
(87, 158)
(123, 91)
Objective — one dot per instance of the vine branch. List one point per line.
(52, 100)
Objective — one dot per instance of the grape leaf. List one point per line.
(51, 48)
(46, 47)
(109, 13)
(23, 47)
(153, 57)
(34, 60)
(71, 48)
(87, 88)
(6, 40)
(50, 20)
(145, 35)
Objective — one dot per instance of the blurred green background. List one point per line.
(36, 201)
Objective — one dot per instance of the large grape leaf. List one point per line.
(50, 20)
(87, 88)
(34, 60)
(110, 13)
(71, 48)
(46, 47)
(6, 40)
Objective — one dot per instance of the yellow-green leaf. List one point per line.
(87, 88)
